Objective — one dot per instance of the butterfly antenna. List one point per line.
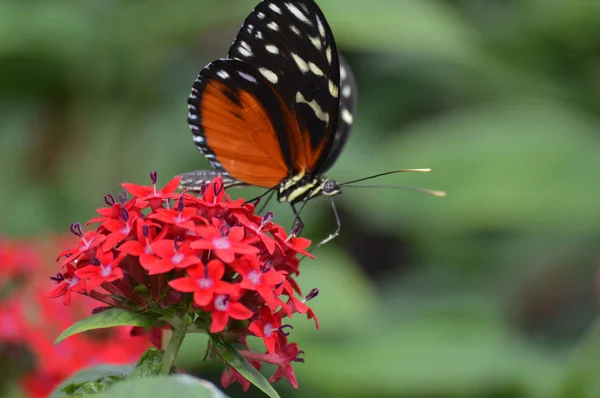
(387, 173)
(438, 194)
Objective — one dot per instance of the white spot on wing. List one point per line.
(272, 49)
(275, 8)
(294, 29)
(343, 73)
(223, 74)
(260, 15)
(297, 13)
(273, 26)
(347, 116)
(301, 63)
(258, 34)
(346, 91)
(198, 139)
(246, 76)
(319, 113)
(315, 69)
(316, 41)
(245, 49)
(321, 27)
(328, 54)
(245, 52)
(269, 75)
(191, 116)
(333, 89)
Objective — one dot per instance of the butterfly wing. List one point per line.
(239, 122)
(348, 100)
(292, 47)
(194, 180)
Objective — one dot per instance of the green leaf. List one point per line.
(94, 375)
(148, 365)
(107, 319)
(165, 386)
(239, 363)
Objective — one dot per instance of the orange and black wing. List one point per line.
(292, 46)
(272, 108)
(240, 123)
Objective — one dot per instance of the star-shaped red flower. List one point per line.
(204, 282)
(224, 307)
(267, 327)
(103, 268)
(224, 241)
(260, 277)
(169, 254)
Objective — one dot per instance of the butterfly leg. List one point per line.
(264, 206)
(337, 231)
(298, 223)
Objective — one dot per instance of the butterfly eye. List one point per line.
(331, 187)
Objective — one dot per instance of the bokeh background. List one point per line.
(490, 292)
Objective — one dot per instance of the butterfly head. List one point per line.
(330, 188)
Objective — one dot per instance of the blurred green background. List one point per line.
(486, 293)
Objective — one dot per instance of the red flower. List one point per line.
(263, 278)
(292, 242)
(204, 282)
(87, 242)
(259, 226)
(150, 195)
(207, 258)
(103, 268)
(119, 229)
(267, 327)
(226, 242)
(182, 217)
(222, 308)
(230, 376)
(170, 254)
(67, 282)
(142, 246)
(288, 353)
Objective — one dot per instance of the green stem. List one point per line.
(172, 349)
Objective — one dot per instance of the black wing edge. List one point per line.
(347, 110)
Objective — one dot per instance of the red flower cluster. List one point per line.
(29, 324)
(204, 254)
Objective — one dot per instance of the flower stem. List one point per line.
(172, 349)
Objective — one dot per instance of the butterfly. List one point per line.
(278, 110)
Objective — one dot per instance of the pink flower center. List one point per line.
(148, 249)
(254, 277)
(221, 302)
(126, 229)
(105, 271)
(177, 258)
(73, 281)
(268, 329)
(222, 243)
(204, 283)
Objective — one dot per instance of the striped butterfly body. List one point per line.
(277, 111)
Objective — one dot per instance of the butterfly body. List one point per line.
(277, 111)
